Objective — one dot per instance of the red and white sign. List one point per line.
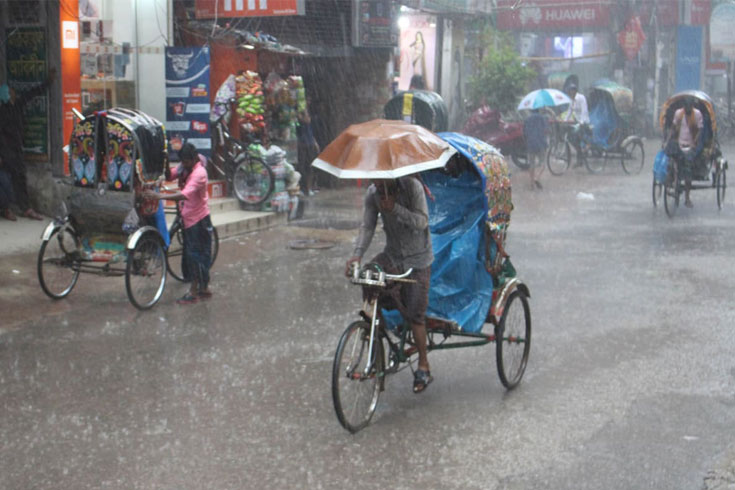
(209, 9)
(667, 12)
(552, 14)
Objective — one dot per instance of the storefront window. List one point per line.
(107, 31)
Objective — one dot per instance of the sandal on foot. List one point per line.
(421, 380)
(187, 299)
(205, 294)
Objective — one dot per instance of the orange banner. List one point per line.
(71, 73)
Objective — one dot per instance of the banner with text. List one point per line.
(26, 66)
(209, 9)
(552, 14)
(688, 57)
(187, 99)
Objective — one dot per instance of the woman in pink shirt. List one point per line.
(193, 202)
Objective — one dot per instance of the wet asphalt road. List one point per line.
(630, 383)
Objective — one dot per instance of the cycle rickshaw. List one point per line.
(708, 168)
(609, 136)
(108, 229)
(473, 283)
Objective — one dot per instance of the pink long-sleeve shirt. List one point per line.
(196, 206)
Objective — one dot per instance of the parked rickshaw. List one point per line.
(473, 283)
(109, 229)
(608, 137)
(709, 167)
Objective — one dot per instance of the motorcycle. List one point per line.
(487, 124)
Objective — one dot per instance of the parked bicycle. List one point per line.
(248, 177)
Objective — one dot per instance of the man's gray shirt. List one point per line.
(408, 241)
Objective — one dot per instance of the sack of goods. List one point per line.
(275, 155)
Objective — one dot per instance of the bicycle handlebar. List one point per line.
(369, 277)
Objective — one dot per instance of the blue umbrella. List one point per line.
(545, 97)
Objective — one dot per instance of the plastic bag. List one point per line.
(131, 222)
(660, 166)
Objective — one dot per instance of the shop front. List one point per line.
(562, 36)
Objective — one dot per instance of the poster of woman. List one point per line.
(418, 45)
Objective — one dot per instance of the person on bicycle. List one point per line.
(402, 205)
(577, 113)
(687, 128)
(197, 256)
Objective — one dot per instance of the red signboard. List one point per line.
(71, 71)
(667, 12)
(552, 14)
(209, 9)
(700, 12)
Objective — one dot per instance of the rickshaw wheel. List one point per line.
(145, 273)
(594, 160)
(513, 339)
(559, 157)
(633, 157)
(57, 273)
(721, 184)
(520, 160)
(672, 191)
(355, 395)
(175, 252)
(253, 181)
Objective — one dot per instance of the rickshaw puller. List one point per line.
(688, 138)
(402, 205)
(578, 113)
(197, 258)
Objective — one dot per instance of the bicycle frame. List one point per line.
(404, 348)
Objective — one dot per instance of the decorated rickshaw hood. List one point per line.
(493, 170)
(622, 96)
(704, 101)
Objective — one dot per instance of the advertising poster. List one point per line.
(688, 58)
(26, 68)
(187, 99)
(418, 47)
(374, 24)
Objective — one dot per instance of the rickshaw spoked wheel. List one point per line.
(633, 157)
(672, 190)
(175, 252)
(355, 393)
(56, 269)
(513, 339)
(594, 159)
(145, 273)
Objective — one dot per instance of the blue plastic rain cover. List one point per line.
(604, 119)
(461, 288)
(660, 167)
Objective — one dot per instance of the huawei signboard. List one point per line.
(209, 9)
(552, 14)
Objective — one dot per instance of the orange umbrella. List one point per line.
(383, 149)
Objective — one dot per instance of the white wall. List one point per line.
(152, 30)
